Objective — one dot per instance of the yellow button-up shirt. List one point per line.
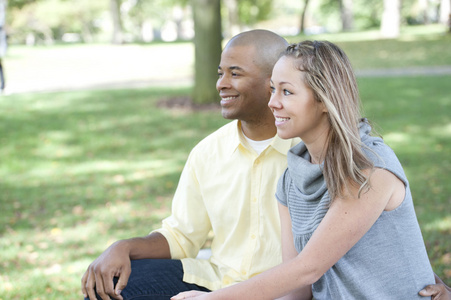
(227, 188)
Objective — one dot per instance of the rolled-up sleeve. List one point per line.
(186, 230)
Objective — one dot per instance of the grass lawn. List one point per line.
(82, 169)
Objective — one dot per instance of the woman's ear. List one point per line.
(323, 107)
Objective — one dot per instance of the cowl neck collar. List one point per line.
(307, 177)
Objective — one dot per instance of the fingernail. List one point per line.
(118, 292)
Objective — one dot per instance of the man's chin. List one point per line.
(227, 114)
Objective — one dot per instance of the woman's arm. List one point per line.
(289, 252)
(345, 223)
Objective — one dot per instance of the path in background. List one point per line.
(126, 66)
(63, 68)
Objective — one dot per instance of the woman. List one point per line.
(349, 229)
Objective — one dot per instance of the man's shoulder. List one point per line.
(227, 131)
(217, 141)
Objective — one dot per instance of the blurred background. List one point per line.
(102, 101)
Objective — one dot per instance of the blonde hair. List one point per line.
(328, 72)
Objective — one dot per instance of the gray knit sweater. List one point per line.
(389, 262)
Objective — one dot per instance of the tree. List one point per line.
(240, 14)
(347, 14)
(115, 9)
(449, 17)
(445, 13)
(303, 12)
(207, 45)
(391, 19)
(233, 17)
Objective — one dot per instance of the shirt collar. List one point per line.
(283, 146)
(236, 139)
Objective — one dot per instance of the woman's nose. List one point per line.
(274, 102)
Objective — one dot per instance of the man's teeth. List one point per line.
(228, 98)
(280, 119)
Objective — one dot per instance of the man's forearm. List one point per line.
(154, 245)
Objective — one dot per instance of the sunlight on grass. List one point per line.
(83, 169)
(443, 224)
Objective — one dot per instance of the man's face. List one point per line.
(243, 87)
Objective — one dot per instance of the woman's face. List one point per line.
(292, 102)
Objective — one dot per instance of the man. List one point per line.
(227, 187)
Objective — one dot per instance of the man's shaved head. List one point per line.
(268, 47)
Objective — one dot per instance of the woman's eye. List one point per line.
(273, 89)
(287, 92)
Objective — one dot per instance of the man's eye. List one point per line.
(219, 74)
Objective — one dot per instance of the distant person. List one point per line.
(349, 229)
(227, 186)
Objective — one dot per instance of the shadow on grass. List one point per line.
(82, 169)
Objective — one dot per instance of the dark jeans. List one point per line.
(156, 279)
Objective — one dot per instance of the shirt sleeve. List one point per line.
(282, 188)
(186, 230)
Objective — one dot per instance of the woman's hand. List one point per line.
(191, 295)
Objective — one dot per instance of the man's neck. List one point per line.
(260, 131)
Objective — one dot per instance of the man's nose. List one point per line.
(223, 82)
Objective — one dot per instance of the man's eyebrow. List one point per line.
(233, 68)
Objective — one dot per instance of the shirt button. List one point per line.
(254, 199)
(253, 236)
(257, 161)
(243, 272)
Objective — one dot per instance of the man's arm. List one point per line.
(115, 262)
(188, 225)
(438, 291)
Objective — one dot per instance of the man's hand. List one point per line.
(437, 291)
(114, 262)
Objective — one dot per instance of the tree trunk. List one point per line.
(423, 6)
(445, 13)
(347, 15)
(391, 19)
(115, 9)
(207, 42)
(233, 18)
(302, 22)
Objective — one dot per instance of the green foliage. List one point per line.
(417, 46)
(252, 11)
(19, 3)
(367, 14)
(53, 18)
